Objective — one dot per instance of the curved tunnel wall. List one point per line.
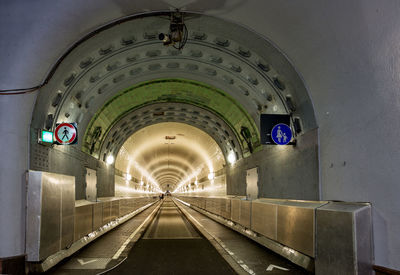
(172, 156)
(228, 57)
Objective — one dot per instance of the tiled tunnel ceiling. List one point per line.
(169, 153)
(126, 53)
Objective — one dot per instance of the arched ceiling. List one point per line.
(169, 153)
(216, 113)
(227, 72)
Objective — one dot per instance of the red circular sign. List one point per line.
(65, 133)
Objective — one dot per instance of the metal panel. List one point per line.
(50, 212)
(83, 221)
(34, 206)
(123, 207)
(50, 227)
(106, 212)
(226, 208)
(264, 219)
(209, 205)
(235, 210)
(202, 203)
(114, 209)
(344, 239)
(245, 213)
(91, 185)
(68, 211)
(97, 216)
(296, 228)
(252, 183)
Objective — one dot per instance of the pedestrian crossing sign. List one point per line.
(66, 133)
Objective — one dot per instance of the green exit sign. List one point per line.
(45, 137)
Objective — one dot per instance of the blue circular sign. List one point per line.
(281, 134)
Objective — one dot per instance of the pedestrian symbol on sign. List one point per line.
(66, 133)
(281, 134)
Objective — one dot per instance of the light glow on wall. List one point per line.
(110, 159)
(232, 157)
(47, 136)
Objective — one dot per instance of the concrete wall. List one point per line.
(289, 172)
(14, 164)
(346, 51)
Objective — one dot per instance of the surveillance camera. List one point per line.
(166, 39)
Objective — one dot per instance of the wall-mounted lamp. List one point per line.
(232, 157)
(110, 159)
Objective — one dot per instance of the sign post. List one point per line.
(66, 133)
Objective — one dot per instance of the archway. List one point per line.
(226, 75)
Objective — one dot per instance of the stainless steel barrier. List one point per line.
(344, 238)
(50, 214)
(337, 235)
(55, 220)
(83, 219)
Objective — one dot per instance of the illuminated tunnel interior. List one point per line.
(181, 102)
(172, 157)
(120, 83)
(154, 120)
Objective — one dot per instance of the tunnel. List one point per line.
(168, 171)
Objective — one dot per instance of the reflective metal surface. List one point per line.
(296, 228)
(97, 215)
(83, 221)
(294, 256)
(91, 184)
(344, 239)
(245, 213)
(226, 208)
(50, 222)
(67, 210)
(264, 218)
(252, 183)
(235, 210)
(50, 226)
(62, 254)
(115, 209)
(106, 212)
(337, 234)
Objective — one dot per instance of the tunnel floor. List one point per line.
(172, 246)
